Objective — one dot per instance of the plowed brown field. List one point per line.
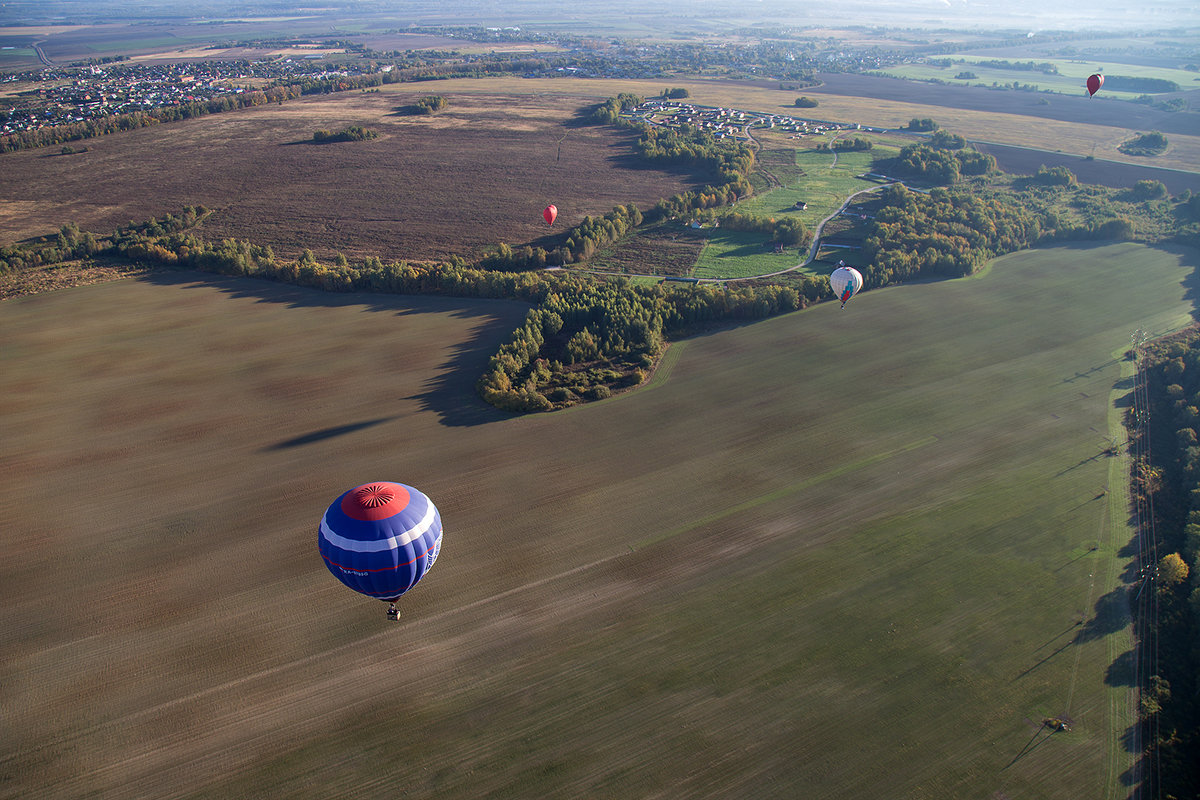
(476, 174)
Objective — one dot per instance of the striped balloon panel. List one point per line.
(382, 545)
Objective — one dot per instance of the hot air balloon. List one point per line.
(845, 282)
(550, 214)
(1094, 82)
(380, 538)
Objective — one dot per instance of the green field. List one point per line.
(741, 254)
(836, 554)
(1071, 78)
(803, 175)
(815, 179)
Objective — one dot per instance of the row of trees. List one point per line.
(1044, 67)
(1129, 83)
(583, 338)
(850, 144)
(581, 242)
(729, 162)
(1171, 703)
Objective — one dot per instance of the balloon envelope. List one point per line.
(380, 538)
(1094, 82)
(549, 214)
(845, 282)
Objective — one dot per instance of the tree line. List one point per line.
(1129, 83)
(847, 144)
(1170, 710)
(579, 244)
(583, 339)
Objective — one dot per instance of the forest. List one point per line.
(1171, 480)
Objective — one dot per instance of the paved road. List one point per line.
(41, 54)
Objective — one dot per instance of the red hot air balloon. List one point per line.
(1094, 82)
(550, 214)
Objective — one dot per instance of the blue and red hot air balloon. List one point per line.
(380, 538)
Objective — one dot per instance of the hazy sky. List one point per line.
(991, 14)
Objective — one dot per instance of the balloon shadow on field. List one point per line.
(450, 394)
(327, 433)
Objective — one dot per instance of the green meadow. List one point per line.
(742, 254)
(854, 553)
(805, 175)
(813, 177)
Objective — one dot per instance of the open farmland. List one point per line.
(1075, 125)
(1024, 161)
(1079, 109)
(851, 554)
(1070, 79)
(476, 174)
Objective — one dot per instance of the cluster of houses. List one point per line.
(728, 122)
(81, 93)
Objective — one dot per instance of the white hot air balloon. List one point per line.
(845, 282)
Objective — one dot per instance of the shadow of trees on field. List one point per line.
(450, 393)
(1191, 284)
(1111, 613)
(1122, 671)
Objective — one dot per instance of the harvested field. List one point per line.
(1026, 161)
(836, 554)
(476, 174)
(1039, 105)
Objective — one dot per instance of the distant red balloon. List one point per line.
(1094, 83)
(550, 214)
